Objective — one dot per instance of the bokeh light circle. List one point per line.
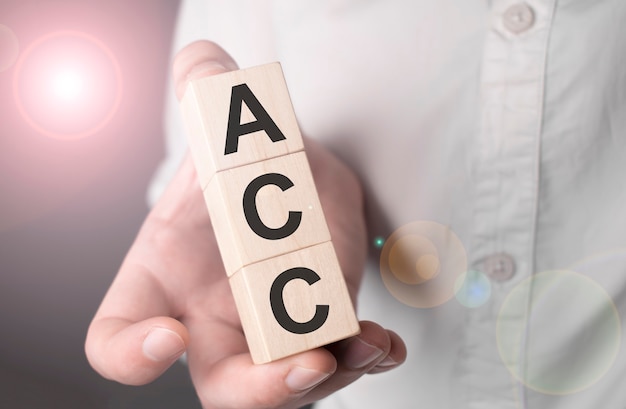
(558, 332)
(413, 259)
(472, 289)
(420, 263)
(379, 242)
(67, 85)
(9, 48)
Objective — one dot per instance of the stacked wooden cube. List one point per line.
(268, 221)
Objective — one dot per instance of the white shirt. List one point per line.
(490, 135)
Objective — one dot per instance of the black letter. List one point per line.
(252, 215)
(241, 93)
(278, 304)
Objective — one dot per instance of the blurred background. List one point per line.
(81, 103)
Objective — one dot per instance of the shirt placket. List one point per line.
(504, 165)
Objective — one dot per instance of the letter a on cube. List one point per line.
(237, 118)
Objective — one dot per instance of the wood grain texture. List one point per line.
(206, 108)
(239, 244)
(266, 214)
(267, 339)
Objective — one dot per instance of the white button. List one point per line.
(499, 267)
(519, 18)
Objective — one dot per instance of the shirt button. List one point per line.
(499, 267)
(519, 18)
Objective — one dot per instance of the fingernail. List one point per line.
(300, 379)
(360, 354)
(163, 345)
(206, 68)
(387, 362)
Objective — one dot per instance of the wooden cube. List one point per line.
(293, 303)
(265, 209)
(239, 117)
(266, 214)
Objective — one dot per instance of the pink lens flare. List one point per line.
(67, 85)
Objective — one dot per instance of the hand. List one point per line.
(171, 294)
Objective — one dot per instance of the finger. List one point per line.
(131, 339)
(395, 357)
(135, 353)
(359, 354)
(199, 59)
(237, 383)
(225, 376)
(180, 200)
(374, 348)
(234, 381)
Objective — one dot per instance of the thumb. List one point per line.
(199, 59)
(135, 353)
